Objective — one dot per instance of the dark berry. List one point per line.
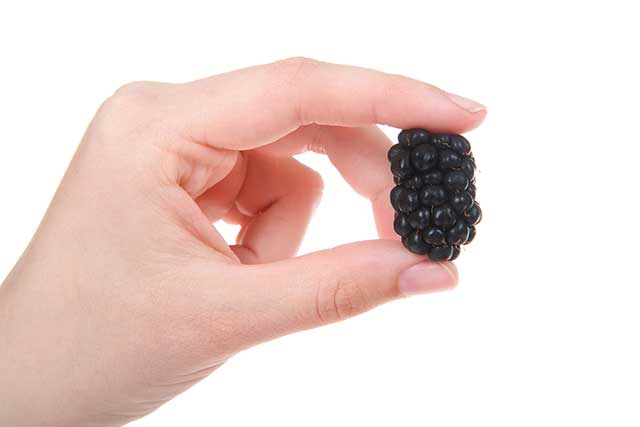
(461, 201)
(401, 165)
(468, 167)
(444, 216)
(473, 215)
(401, 225)
(449, 159)
(458, 234)
(404, 200)
(413, 183)
(472, 234)
(415, 244)
(419, 218)
(424, 157)
(456, 252)
(441, 253)
(460, 144)
(433, 195)
(456, 181)
(434, 236)
(442, 140)
(432, 177)
(395, 151)
(413, 137)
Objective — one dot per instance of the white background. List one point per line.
(543, 329)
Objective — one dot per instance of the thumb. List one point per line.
(335, 284)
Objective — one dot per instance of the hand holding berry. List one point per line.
(127, 295)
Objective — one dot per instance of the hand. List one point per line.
(127, 295)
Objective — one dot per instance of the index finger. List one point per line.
(252, 107)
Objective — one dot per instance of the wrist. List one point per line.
(37, 358)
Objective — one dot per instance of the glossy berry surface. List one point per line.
(432, 177)
(415, 244)
(444, 217)
(455, 253)
(420, 218)
(449, 159)
(441, 253)
(434, 236)
(424, 157)
(434, 196)
(401, 226)
(401, 165)
(404, 200)
(456, 181)
(461, 201)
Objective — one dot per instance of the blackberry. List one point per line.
(434, 196)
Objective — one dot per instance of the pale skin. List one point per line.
(127, 295)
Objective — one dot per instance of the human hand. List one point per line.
(127, 295)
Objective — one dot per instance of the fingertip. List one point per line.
(453, 270)
(467, 104)
(427, 277)
(473, 112)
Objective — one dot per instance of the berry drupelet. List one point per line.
(434, 196)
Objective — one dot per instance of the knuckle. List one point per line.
(340, 299)
(137, 108)
(295, 69)
(135, 90)
(293, 74)
(296, 63)
(133, 97)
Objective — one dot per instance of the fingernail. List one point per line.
(466, 103)
(426, 277)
